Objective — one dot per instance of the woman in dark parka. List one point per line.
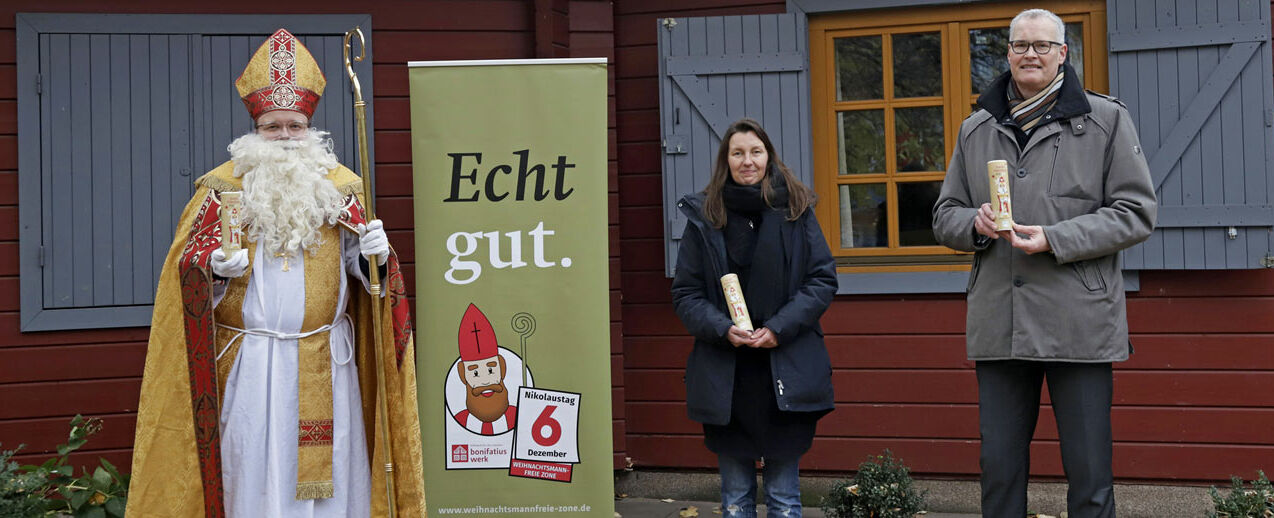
(758, 394)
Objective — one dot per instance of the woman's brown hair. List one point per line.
(799, 197)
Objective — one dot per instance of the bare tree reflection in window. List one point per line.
(919, 139)
(864, 220)
(859, 73)
(917, 64)
(862, 142)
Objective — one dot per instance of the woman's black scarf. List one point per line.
(754, 241)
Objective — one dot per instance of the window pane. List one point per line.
(863, 216)
(859, 74)
(917, 64)
(1075, 48)
(920, 139)
(862, 142)
(988, 56)
(915, 213)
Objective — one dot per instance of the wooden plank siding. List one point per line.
(47, 377)
(589, 30)
(1193, 403)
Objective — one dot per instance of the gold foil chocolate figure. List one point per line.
(231, 222)
(997, 172)
(734, 299)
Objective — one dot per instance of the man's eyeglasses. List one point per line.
(1041, 47)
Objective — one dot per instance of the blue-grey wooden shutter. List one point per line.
(117, 116)
(1196, 77)
(715, 70)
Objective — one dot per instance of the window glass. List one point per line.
(864, 216)
(915, 213)
(859, 73)
(919, 140)
(987, 51)
(917, 64)
(862, 141)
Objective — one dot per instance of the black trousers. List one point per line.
(1008, 408)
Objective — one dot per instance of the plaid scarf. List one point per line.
(1028, 112)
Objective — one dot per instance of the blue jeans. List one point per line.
(738, 487)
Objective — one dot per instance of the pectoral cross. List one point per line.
(285, 260)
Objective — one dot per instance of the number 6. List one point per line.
(546, 419)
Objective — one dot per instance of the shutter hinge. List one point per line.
(1269, 116)
(39, 84)
(41, 258)
(1267, 261)
(669, 23)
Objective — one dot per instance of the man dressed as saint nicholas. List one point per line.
(259, 393)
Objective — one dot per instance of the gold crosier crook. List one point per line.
(369, 205)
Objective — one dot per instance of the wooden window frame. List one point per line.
(952, 24)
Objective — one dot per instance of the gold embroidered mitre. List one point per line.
(282, 75)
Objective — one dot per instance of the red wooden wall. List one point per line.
(1196, 402)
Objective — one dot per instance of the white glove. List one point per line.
(372, 241)
(232, 267)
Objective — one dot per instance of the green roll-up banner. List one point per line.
(512, 300)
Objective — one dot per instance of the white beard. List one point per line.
(287, 197)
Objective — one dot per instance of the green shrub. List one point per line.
(52, 488)
(1242, 501)
(21, 492)
(882, 488)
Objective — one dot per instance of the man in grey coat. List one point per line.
(1046, 300)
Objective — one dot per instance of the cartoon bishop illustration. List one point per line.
(482, 369)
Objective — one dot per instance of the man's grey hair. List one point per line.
(1031, 14)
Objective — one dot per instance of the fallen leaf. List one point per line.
(667, 500)
(689, 512)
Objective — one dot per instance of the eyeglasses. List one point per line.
(275, 128)
(1041, 47)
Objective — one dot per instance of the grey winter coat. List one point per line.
(1085, 180)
